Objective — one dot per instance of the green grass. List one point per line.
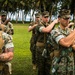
(21, 63)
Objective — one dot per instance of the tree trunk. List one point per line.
(74, 13)
(23, 16)
(50, 12)
(16, 18)
(33, 15)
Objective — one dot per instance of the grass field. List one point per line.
(21, 63)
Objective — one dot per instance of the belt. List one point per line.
(55, 53)
(40, 44)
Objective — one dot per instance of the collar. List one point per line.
(65, 31)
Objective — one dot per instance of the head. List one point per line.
(64, 17)
(37, 17)
(3, 16)
(45, 16)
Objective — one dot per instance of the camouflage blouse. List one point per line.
(65, 62)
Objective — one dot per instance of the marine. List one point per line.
(6, 49)
(32, 27)
(7, 23)
(42, 52)
(63, 37)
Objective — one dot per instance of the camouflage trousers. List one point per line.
(33, 51)
(43, 64)
(63, 65)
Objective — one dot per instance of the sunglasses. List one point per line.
(46, 16)
(66, 18)
(37, 17)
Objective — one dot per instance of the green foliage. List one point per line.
(21, 63)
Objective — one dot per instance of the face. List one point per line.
(37, 19)
(45, 19)
(3, 17)
(64, 22)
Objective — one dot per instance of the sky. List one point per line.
(13, 16)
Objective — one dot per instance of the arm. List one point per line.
(8, 55)
(68, 41)
(49, 28)
(10, 29)
(31, 27)
(6, 21)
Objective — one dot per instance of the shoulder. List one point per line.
(54, 31)
(6, 36)
(57, 35)
(40, 26)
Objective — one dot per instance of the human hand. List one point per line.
(70, 24)
(73, 45)
(8, 20)
(56, 21)
(35, 25)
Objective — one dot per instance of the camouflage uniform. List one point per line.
(63, 60)
(7, 27)
(10, 28)
(43, 63)
(5, 67)
(33, 39)
(7, 23)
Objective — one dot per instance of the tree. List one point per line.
(36, 5)
(72, 7)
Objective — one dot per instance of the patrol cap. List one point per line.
(3, 13)
(45, 14)
(64, 13)
(37, 15)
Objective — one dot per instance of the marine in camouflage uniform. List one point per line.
(34, 38)
(9, 26)
(6, 54)
(63, 59)
(5, 28)
(43, 62)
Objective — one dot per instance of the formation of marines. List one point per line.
(54, 46)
